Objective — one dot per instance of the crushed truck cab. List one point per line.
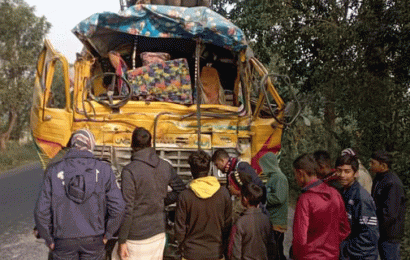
(187, 75)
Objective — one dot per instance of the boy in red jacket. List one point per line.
(320, 223)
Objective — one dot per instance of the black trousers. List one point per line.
(279, 237)
(82, 248)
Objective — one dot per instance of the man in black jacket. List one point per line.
(388, 194)
(144, 185)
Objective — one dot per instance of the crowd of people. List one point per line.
(341, 213)
(374, 223)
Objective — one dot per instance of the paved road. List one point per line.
(18, 192)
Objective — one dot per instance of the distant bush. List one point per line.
(17, 155)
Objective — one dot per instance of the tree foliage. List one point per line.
(350, 57)
(21, 38)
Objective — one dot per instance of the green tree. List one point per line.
(21, 38)
(384, 73)
(311, 41)
(351, 56)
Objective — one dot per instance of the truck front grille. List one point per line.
(118, 157)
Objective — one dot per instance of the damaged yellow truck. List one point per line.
(187, 75)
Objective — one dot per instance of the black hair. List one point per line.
(245, 177)
(200, 163)
(141, 139)
(253, 193)
(348, 159)
(382, 156)
(220, 154)
(306, 162)
(322, 158)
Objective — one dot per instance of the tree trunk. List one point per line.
(4, 137)
(330, 120)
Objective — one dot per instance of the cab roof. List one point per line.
(103, 32)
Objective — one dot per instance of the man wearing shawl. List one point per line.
(80, 205)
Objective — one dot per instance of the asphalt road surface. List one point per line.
(18, 193)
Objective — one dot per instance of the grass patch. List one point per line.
(17, 155)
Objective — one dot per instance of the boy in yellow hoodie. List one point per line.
(203, 214)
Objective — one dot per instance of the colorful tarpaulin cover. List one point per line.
(160, 21)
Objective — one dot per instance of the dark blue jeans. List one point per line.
(83, 248)
(389, 250)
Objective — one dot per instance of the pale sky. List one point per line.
(65, 15)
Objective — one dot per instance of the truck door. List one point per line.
(268, 115)
(51, 113)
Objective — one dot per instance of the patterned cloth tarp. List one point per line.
(164, 81)
(160, 21)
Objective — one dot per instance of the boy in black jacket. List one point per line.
(252, 235)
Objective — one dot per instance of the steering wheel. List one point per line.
(109, 97)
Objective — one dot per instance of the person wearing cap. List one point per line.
(363, 176)
(361, 210)
(237, 173)
(80, 206)
(388, 194)
(144, 185)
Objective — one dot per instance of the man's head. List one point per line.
(83, 139)
(220, 158)
(347, 167)
(324, 162)
(380, 161)
(141, 139)
(200, 163)
(305, 169)
(251, 195)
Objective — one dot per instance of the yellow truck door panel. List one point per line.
(51, 113)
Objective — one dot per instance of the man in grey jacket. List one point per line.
(80, 205)
(144, 185)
